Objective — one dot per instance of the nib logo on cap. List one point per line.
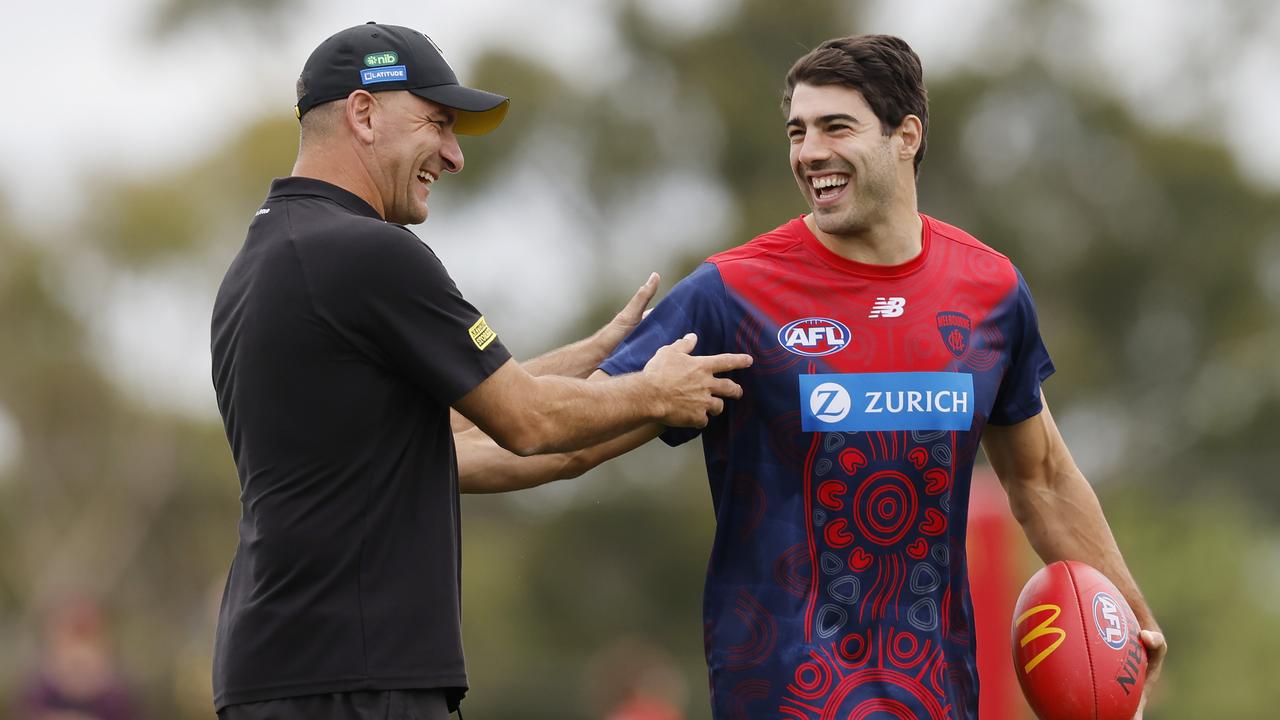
(380, 59)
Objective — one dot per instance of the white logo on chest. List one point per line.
(888, 307)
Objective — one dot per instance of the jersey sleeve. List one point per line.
(393, 299)
(1029, 365)
(697, 304)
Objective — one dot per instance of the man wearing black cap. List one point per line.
(339, 345)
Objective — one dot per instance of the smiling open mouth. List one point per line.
(425, 177)
(826, 187)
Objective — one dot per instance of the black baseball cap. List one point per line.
(377, 57)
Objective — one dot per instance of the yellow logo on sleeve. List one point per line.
(482, 334)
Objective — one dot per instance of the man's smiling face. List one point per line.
(845, 164)
(415, 144)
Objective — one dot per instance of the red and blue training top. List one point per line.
(837, 584)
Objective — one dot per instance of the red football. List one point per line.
(1075, 646)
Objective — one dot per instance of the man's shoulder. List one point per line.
(962, 239)
(347, 252)
(351, 236)
(780, 240)
(339, 224)
(972, 258)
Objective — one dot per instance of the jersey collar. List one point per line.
(304, 186)
(867, 269)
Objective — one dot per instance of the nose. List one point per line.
(451, 153)
(813, 149)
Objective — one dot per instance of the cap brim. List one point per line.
(478, 111)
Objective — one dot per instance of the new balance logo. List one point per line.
(888, 307)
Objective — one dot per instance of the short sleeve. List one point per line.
(695, 305)
(1029, 365)
(392, 297)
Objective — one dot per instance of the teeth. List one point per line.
(426, 177)
(827, 181)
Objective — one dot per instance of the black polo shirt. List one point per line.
(339, 343)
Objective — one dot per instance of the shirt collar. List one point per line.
(304, 186)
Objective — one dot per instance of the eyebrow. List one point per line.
(824, 120)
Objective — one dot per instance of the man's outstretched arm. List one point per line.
(534, 415)
(581, 358)
(485, 467)
(1061, 515)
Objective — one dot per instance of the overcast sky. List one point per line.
(99, 94)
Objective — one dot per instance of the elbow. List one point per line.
(1036, 498)
(575, 465)
(1021, 507)
(525, 436)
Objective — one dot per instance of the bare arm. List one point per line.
(484, 467)
(581, 358)
(531, 415)
(1060, 513)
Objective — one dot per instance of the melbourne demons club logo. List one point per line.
(955, 328)
(814, 336)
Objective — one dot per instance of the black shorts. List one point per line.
(362, 705)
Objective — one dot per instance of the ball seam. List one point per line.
(1084, 637)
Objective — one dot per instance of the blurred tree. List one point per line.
(174, 16)
(1156, 268)
(108, 497)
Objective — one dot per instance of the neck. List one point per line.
(339, 166)
(891, 239)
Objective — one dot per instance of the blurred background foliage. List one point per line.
(1155, 263)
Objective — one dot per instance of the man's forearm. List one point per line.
(581, 358)
(573, 414)
(484, 467)
(534, 415)
(1063, 520)
(578, 359)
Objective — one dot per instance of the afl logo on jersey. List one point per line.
(814, 336)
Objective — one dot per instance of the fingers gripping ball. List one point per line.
(1076, 648)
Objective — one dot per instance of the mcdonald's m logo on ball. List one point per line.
(1045, 628)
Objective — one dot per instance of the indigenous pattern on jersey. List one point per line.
(837, 584)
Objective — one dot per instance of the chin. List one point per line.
(838, 223)
(414, 218)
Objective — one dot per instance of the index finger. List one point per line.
(727, 362)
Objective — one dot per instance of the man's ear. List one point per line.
(911, 130)
(361, 106)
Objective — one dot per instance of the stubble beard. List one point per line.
(866, 208)
(867, 204)
(852, 221)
